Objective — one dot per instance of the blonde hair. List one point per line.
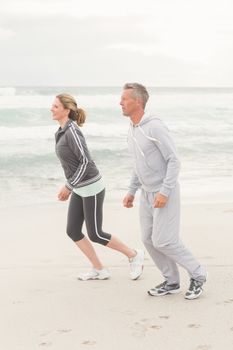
(138, 91)
(76, 114)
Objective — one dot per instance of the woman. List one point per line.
(86, 187)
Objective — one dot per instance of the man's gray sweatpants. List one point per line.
(160, 235)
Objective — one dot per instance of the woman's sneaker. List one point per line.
(136, 264)
(164, 288)
(195, 290)
(95, 274)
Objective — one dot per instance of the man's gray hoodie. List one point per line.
(156, 164)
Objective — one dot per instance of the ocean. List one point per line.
(200, 120)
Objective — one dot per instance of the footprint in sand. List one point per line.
(228, 301)
(166, 317)
(88, 342)
(17, 302)
(44, 334)
(45, 344)
(155, 326)
(193, 325)
(61, 331)
(141, 328)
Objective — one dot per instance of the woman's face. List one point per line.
(59, 113)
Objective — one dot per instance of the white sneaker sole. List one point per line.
(175, 291)
(97, 277)
(94, 278)
(193, 296)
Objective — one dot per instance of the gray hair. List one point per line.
(138, 91)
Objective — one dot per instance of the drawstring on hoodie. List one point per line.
(136, 142)
(148, 137)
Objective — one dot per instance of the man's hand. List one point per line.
(64, 194)
(128, 201)
(160, 201)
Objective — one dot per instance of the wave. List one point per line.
(109, 97)
(21, 101)
(9, 101)
(156, 103)
(27, 133)
(91, 131)
(7, 91)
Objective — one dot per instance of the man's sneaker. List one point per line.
(164, 288)
(195, 289)
(95, 274)
(136, 265)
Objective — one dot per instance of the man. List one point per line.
(156, 170)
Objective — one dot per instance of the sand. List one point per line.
(43, 305)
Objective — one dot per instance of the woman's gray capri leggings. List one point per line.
(90, 210)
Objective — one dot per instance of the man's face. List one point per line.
(129, 104)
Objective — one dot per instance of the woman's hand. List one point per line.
(64, 194)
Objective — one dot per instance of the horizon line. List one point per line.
(117, 86)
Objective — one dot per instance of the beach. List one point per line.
(44, 305)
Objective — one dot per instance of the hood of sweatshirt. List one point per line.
(144, 127)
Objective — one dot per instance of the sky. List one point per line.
(108, 43)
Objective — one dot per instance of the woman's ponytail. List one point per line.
(81, 116)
